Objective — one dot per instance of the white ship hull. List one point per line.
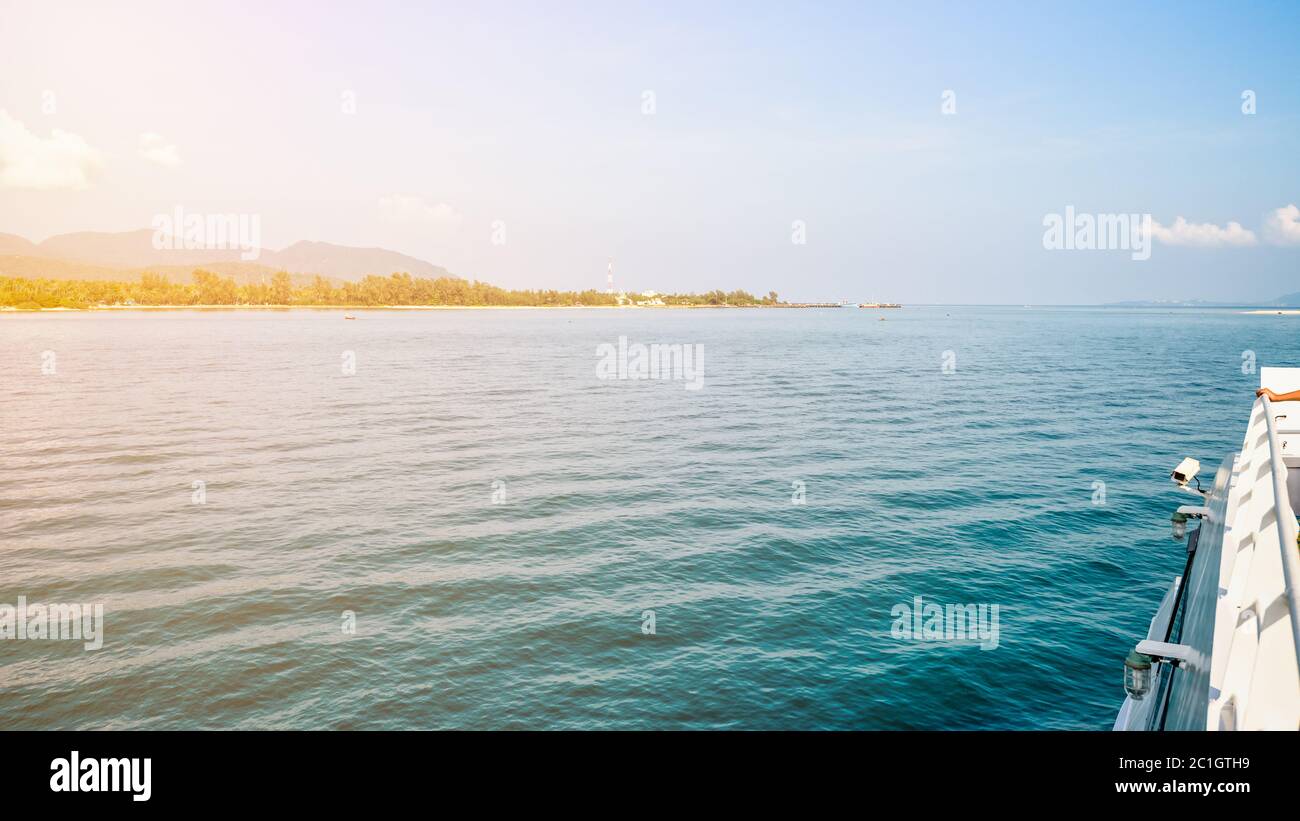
(1230, 657)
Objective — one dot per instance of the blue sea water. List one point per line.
(498, 518)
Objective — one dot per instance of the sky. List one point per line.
(908, 152)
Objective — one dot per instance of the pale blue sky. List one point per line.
(532, 115)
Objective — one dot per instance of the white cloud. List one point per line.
(406, 208)
(1282, 227)
(1203, 234)
(61, 160)
(155, 149)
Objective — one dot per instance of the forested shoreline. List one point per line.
(208, 288)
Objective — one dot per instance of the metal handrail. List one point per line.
(1286, 525)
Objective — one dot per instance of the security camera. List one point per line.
(1186, 471)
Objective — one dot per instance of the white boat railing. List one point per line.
(1286, 523)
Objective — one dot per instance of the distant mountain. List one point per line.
(37, 267)
(102, 255)
(341, 261)
(14, 244)
(1176, 303)
(1287, 301)
(128, 249)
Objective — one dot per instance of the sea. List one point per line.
(483, 519)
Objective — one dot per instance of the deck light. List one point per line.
(1137, 674)
(1179, 522)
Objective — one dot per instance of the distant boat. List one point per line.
(879, 305)
(349, 316)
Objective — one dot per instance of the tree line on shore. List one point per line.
(208, 288)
